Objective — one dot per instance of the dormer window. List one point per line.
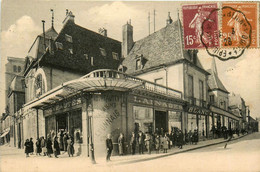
(59, 45)
(115, 56)
(92, 61)
(68, 38)
(86, 56)
(103, 52)
(71, 50)
(121, 68)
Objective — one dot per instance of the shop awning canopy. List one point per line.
(99, 80)
(223, 112)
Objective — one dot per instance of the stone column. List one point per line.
(85, 135)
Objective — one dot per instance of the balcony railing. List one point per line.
(147, 85)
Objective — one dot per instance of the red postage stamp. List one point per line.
(193, 18)
(239, 24)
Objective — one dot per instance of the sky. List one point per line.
(21, 23)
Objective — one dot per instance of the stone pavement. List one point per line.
(117, 160)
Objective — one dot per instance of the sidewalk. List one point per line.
(117, 160)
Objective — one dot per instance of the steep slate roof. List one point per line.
(160, 48)
(215, 83)
(85, 44)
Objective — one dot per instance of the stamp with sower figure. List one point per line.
(229, 40)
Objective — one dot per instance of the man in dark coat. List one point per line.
(109, 146)
(49, 147)
(56, 147)
(141, 142)
(27, 147)
(133, 143)
(31, 146)
(38, 147)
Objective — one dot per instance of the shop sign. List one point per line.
(175, 107)
(160, 103)
(198, 110)
(143, 100)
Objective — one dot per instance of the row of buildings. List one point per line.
(87, 84)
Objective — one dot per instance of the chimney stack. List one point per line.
(69, 17)
(127, 35)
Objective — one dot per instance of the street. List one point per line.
(240, 155)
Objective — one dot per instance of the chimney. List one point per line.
(69, 17)
(103, 32)
(127, 42)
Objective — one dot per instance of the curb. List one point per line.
(174, 153)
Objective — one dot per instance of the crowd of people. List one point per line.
(157, 141)
(54, 144)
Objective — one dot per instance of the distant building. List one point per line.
(237, 106)
(13, 67)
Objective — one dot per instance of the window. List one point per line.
(201, 90)
(92, 61)
(115, 56)
(39, 86)
(59, 45)
(68, 38)
(103, 52)
(138, 64)
(190, 86)
(71, 50)
(211, 99)
(19, 69)
(15, 68)
(86, 56)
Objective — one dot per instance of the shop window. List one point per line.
(14, 68)
(115, 56)
(68, 38)
(174, 120)
(143, 116)
(59, 45)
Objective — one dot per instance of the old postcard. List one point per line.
(129, 86)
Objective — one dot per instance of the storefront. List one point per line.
(93, 106)
(198, 119)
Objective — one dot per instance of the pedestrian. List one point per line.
(121, 144)
(31, 149)
(27, 147)
(165, 143)
(180, 141)
(109, 146)
(70, 146)
(60, 140)
(65, 143)
(133, 143)
(157, 143)
(38, 147)
(230, 137)
(49, 146)
(141, 142)
(43, 146)
(195, 137)
(56, 147)
(148, 142)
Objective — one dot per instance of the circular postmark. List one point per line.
(235, 35)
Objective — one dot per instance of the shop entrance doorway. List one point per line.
(161, 121)
(61, 123)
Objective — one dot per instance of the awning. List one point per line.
(223, 112)
(99, 80)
